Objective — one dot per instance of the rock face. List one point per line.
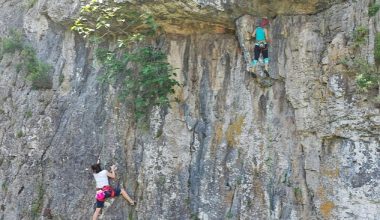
(305, 146)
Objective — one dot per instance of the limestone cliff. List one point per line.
(302, 145)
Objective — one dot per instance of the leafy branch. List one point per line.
(110, 19)
(146, 83)
(143, 76)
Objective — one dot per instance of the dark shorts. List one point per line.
(259, 50)
(100, 204)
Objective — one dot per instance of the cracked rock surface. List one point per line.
(304, 145)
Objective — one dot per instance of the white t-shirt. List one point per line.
(101, 179)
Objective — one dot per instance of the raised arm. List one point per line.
(254, 33)
(267, 38)
(112, 173)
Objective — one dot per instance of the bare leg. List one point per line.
(266, 62)
(253, 64)
(126, 197)
(96, 213)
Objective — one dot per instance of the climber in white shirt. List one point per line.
(104, 190)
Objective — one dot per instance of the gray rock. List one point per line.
(304, 145)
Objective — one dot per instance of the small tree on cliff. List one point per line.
(140, 72)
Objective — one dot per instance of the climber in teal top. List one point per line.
(261, 45)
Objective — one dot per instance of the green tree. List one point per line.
(142, 75)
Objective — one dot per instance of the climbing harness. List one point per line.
(262, 44)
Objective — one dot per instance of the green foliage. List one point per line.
(360, 36)
(110, 19)
(373, 9)
(346, 61)
(366, 81)
(194, 216)
(37, 71)
(159, 133)
(239, 180)
(61, 79)
(146, 83)
(30, 3)
(28, 114)
(249, 203)
(297, 195)
(12, 44)
(229, 215)
(161, 180)
(19, 134)
(143, 77)
(4, 186)
(367, 76)
(269, 162)
(130, 216)
(377, 48)
(38, 202)
(187, 201)
(18, 67)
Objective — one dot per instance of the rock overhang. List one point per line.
(218, 16)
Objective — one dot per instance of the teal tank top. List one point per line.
(260, 34)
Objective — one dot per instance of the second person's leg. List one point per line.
(255, 59)
(266, 59)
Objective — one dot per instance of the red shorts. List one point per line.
(109, 193)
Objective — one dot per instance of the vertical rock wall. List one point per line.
(306, 147)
